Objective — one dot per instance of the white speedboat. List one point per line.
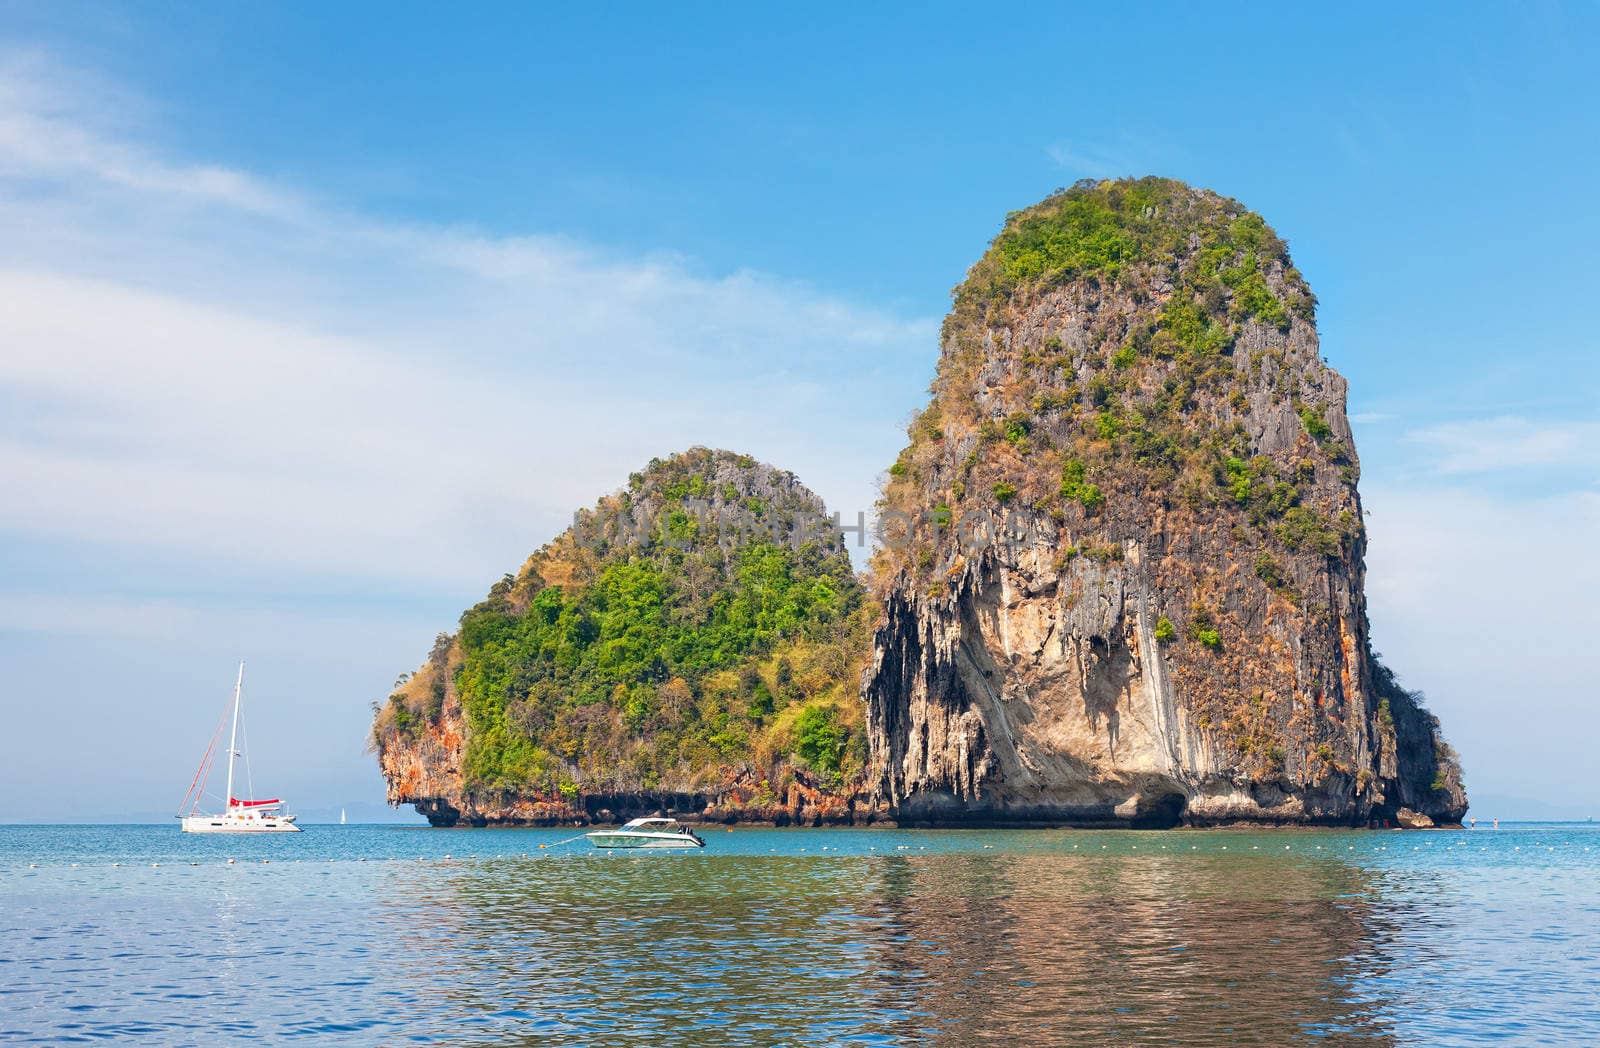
(237, 816)
(647, 833)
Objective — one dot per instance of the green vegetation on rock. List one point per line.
(703, 624)
(1119, 309)
(1075, 486)
(1103, 231)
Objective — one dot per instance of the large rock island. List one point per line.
(1119, 583)
(1126, 581)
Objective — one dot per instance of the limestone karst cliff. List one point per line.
(1122, 579)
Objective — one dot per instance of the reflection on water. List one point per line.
(803, 937)
(960, 948)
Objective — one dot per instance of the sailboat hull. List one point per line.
(239, 824)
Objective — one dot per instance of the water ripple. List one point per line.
(885, 937)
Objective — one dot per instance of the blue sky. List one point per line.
(314, 321)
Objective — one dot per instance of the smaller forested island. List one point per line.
(693, 642)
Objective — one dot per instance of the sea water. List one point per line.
(391, 935)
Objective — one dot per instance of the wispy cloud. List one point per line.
(203, 362)
(1127, 155)
(1508, 443)
(53, 125)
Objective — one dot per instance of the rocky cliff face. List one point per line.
(693, 644)
(1122, 581)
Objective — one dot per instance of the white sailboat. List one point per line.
(341, 816)
(238, 816)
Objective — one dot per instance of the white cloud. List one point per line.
(1493, 445)
(166, 424)
(201, 362)
(1487, 604)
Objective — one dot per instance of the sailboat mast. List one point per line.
(233, 740)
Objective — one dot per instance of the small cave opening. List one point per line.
(1160, 811)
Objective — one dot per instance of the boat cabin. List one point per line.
(651, 824)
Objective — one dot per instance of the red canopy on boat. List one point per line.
(234, 802)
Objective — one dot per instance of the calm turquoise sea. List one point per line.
(393, 935)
